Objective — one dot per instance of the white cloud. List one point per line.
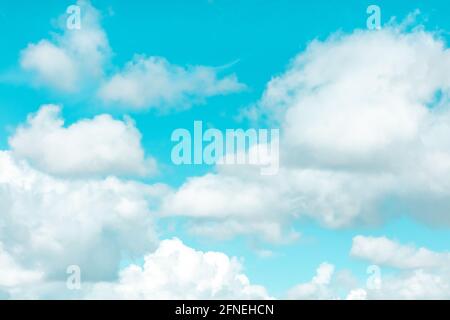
(77, 59)
(235, 201)
(412, 278)
(359, 103)
(70, 60)
(359, 125)
(383, 251)
(52, 64)
(153, 82)
(207, 199)
(365, 116)
(357, 294)
(13, 274)
(47, 224)
(421, 273)
(317, 288)
(172, 271)
(414, 285)
(175, 271)
(100, 146)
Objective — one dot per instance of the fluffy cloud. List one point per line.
(77, 59)
(358, 104)
(52, 64)
(317, 288)
(154, 82)
(414, 285)
(99, 146)
(47, 224)
(72, 59)
(234, 201)
(413, 278)
(359, 125)
(357, 294)
(175, 271)
(383, 251)
(13, 274)
(422, 274)
(207, 199)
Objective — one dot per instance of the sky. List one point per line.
(93, 206)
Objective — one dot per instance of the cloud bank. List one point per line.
(364, 118)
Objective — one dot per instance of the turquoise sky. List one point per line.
(254, 40)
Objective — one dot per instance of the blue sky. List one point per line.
(255, 41)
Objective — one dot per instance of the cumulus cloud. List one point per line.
(383, 251)
(357, 294)
(90, 147)
(175, 271)
(317, 288)
(221, 202)
(13, 274)
(72, 59)
(153, 82)
(359, 101)
(206, 198)
(414, 285)
(359, 125)
(47, 223)
(76, 59)
(172, 271)
(409, 280)
(421, 273)
(52, 64)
